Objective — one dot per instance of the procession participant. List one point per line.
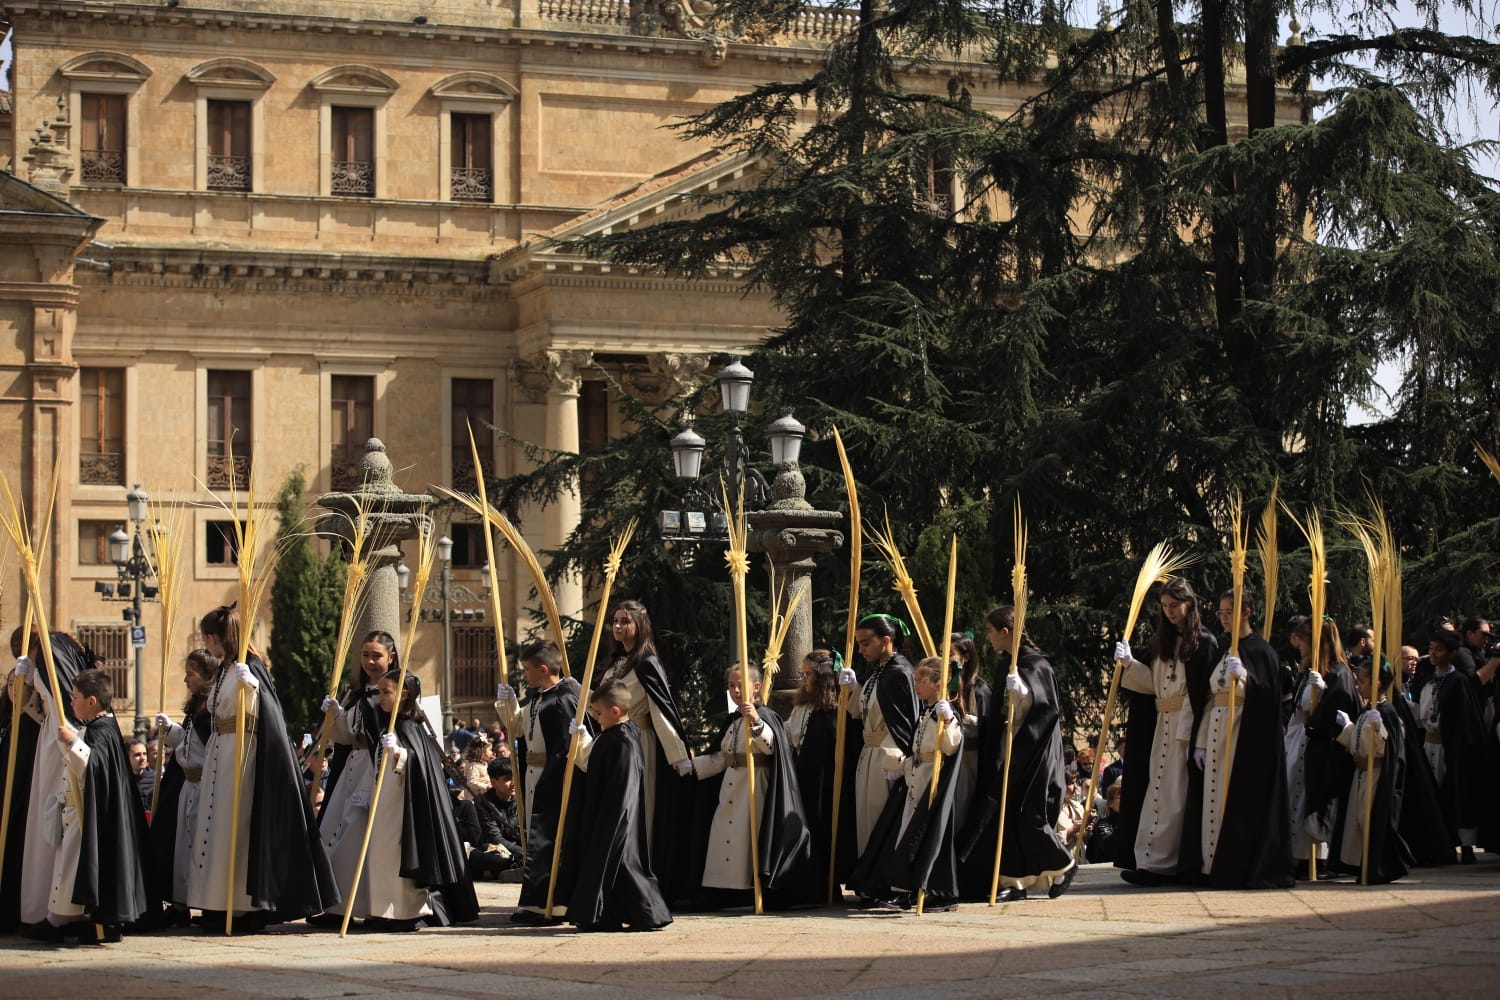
(971, 696)
(18, 739)
(911, 848)
(1033, 856)
(669, 789)
(1182, 658)
(811, 730)
(414, 869)
(542, 721)
(280, 870)
(1246, 835)
(785, 852)
(1423, 826)
(886, 705)
(173, 825)
(1389, 857)
(1328, 768)
(26, 895)
(1310, 685)
(1450, 712)
(614, 887)
(353, 730)
(97, 882)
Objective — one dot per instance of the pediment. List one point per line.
(21, 198)
(363, 80)
(229, 72)
(116, 67)
(473, 87)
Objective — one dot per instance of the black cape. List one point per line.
(923, 857)
(815, 771)
(1390, 858)
(1423, 827)
(785, 838)
(1037, 782)
(1255, 838)
(163, 834)
(895, 690)
(1328, 767)
(555, 708)
(1465, 786)
(110, 883)
(671, 839)
(613, 884)
(288, 871)
(432, 854)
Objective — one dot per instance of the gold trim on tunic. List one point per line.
(222, 726)
(1171, 704)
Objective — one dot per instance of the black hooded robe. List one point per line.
(555, 708)
(1254, 850)
(815, 766)
(1328, 766)
(1390, 858)
(613, 883)
(671, 838)
(110, 882)
(1422, 825)
(1461, 726)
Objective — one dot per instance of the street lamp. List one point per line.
(133, 569)
(445, 556)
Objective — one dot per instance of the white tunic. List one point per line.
(209, 875)
(644, 713)
(47, 772)
(1296, 768)
(190, 753)
(382, 891)
(1218, 755)
(728, 862)
(1158, 841)
(65, 860)
(1356, 738)
(918, 769)
(878, 758)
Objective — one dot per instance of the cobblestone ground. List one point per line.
(1435, 934)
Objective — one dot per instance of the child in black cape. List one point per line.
(1390, 859)
(614, 885)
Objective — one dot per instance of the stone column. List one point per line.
(564, 374)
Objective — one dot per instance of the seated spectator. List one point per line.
(498, 848)
(1102, 836)
(145, 777)
(459, 738)
(475, 762)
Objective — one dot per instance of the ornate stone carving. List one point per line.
(552, 371)
(664, 376)
(49, 154)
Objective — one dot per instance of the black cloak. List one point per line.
(1255, 837)
(288, 871)
(1390, 858)
(1328, 767)
(1461, 724)
(432, 854)
(1037, 782)
(1200, 670)
(1423, 827)
(613, 884)
(923, 858)
(360, 703)
(70, 658)
(815, 770)
(1135, 775)
(895, 690)
(555, 708)
(671, 839)
(110, 883)
(163, 834)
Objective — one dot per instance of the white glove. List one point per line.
(163, 721)
(1340, 719)
(847, 678)
(891, 777)
(244, 676)
(943, 711)
(1200, 755)
(330, 704)
(504, 692)
(575, 727)
(1372, 718)
(170, 732)
(1235, 668)
(24, 668)
(389, 743)
(684, 767)
(1316, 680)
(1015, 685)
(1122, 652)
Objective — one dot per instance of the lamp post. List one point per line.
(133, 570)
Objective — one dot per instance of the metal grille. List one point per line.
(473, 184)
(353, 177)
(112, 644)
(229, 173)
(103, 166)
(474, 660)
(103, 469)
(219, 471)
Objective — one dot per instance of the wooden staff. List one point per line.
(1238, 545)
(1018, 628)
(937, 755)
(538, 580)
(1374, 536)
(856, 552)
(1312, 529)
(356, 590)
(502, 666)
(1160, 563)
(426, 555)
(1270, 558)
(15, 727)
(739, 568)
(611, 569)
(167, 541)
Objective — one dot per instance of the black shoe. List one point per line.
(385, 925)
(940, 904)
(333, 921)
(531, 918)
(1058, 888)
(95, 934)
(1141, 877)
(1010, 895)
(44, 931)
(209, 918)
(1466, 855)
(253, 922)
(885, 905)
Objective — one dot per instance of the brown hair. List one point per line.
(1166, 641)
(825, 690)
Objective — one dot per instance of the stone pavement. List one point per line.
(1435, 934)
